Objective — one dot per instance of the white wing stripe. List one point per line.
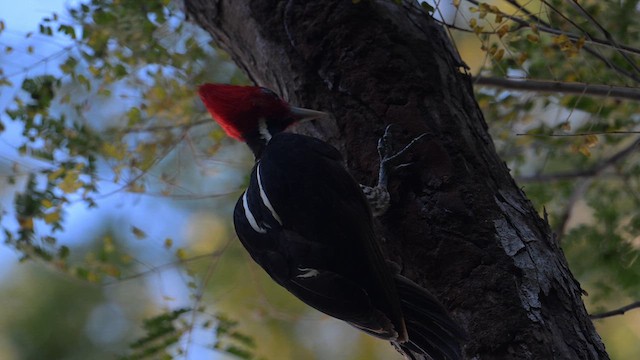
(250, 217)
(309, 272)
(265, 199)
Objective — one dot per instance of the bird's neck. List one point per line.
(259, 139)
(257, 145)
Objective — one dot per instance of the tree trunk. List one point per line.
(459, 225)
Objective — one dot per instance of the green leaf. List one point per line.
(67, 30)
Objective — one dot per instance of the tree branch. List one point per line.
(619, 311)
(546, 27)
(618, 92)
(592, 172)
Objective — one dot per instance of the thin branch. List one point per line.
(160, 268)
(615, 132)
(565, 216)
(615, 312)
(618, 92)
(594, 171)
(586, 178)
(164, 127)
(546, 27)
(606, 34)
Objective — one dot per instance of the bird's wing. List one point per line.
(316, 238)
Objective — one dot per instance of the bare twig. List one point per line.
(164, 127)
(544, 26)
(585, 177)
(163, 267)
(619, 311)
(594, 171)
(613, 132)
(619, 92)
(576, 195)
(606, 34)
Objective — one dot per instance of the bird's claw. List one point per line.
(389, 160)
(378, 196)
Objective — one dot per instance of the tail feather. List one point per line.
(432, 333)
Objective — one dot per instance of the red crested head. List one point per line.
(241, 109)
(238, 109)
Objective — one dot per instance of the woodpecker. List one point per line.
(306, 221)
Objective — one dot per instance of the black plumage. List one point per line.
(317, 241)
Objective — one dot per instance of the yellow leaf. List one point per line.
(522, 58)
(591, 140)
(502, 30)
(56, 174)
(534, 27)
(52, 217)
(473, 23)
(181, 254)
(168, 243)
(456, 3)
(560, 39)
(584, 150)
(533, 38)
(499, 54)
(113, 150)
(138, 233)
(26, 223)
(107, 245)
(135, 187)
(92, 277)
(126, 259)
(70, 183)
(112, 270)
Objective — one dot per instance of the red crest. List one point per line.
(238, 109)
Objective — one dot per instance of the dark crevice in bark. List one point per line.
(459, 225)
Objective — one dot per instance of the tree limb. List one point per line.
(618, 92)
(619, 311)
(594, 171)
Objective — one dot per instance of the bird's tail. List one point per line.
(432, 333)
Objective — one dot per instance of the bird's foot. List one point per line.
(378, 196)
(390, 161)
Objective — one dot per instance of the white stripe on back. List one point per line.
(250, 217)
(309, 272)
(265, 199)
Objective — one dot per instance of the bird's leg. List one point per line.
(378, 196)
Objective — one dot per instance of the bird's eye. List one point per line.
(268, 92)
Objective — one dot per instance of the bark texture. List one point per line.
(459, 225)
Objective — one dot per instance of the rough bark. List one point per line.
(459, 225)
